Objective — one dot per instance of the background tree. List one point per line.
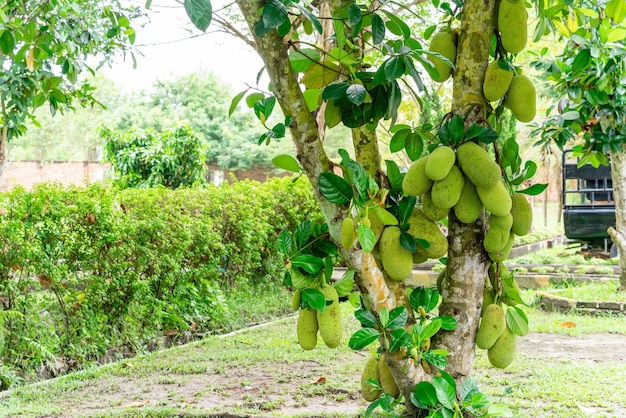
(45, 46)
(589, 82)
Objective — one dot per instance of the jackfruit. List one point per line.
(432, 211)
(386, 379)
(503, 222)
(521, 98)
(297, 298)
(347, 233)
(497, 81)
(307, 328)
(329, 320)
(377, 226)
(415, 181)
(496, 199)
(370, 371)
(513, 25)
(495, 239)
(419, 258)
(444, 43)
(492, 325)
(421, 227)
(469, 207)
(439, 163)
(478, 165)
(447, 192)
(522, 215)
(503, 254)
(397, 262)
(502, 353)
(488, 298)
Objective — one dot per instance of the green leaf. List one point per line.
(309, 263)
(397, 25)
(431, 328)
(446, 393)
(286, 162)
(366, 237)
(311, 18)
(400, 338)
(335, 189)
(398, 140)
(429, 31)
(407, 241)
(7, 42)
(581, 61)
(301, 281)
(499, 410)
(534, 190)
(356, 94)
(469, 388)
(426, 297)
(274, 14)
(314, 298)
(345, 285)
(397, 318)
(200, 12)
(235, 102)
(285, 242)
(365, 317)
(434, 358)
(448, 322)
(394, 176)
(354, 14)
(424, 395)
(335, 90)
(474, 131)
(517, 321)
(362, 338)
(385, 216)
(378, 29)
(414, 146)
(312, 98)
(252, 98)
(383, 317)
(456, 128)
(405, 208)
(394, 68)
(302, 60)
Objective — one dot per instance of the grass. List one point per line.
(561, 255)
(223, 367)
(601, 292)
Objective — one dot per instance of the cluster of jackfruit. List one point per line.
(494, 334)
(444, 43)
(326, 322)
(376, 368)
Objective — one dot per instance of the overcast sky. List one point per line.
(168, 52)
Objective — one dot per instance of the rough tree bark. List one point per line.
(618, 233)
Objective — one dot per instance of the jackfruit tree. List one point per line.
(460, 201)
(588, 79)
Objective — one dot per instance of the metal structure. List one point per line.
(588, 203)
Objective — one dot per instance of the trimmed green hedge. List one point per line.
(83, 270)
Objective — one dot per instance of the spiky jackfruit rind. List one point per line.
(495, 239)
(521, 98)
(469, 207)
(496, 199)
(432, 211)
(397, 262)
(478, 165)
(439, 163)
(347, 233)
(329, 320)
(386, 379)
(444, 43)
(489, 296)
(502, 352)
(307, 328)
(513, 25)
(446, 193)
(421, 227)
(370, 371)
(415, 181)
(296, 299)
(497, 81)
(522, 214)
(503, 254)
(492, 325)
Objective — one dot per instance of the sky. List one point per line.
(167, 51)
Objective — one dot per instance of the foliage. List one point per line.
(172, 158)
(95, 269)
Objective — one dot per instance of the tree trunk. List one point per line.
(3, 149)
(618, 233)
(467, 264)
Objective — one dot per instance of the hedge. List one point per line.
(85, 269)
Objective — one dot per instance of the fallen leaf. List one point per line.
(321, 380)
(137, 404)
(568, 324)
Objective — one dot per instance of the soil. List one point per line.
(277, 390)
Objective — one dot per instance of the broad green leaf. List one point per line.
(398, 140)
(332, 114)
(534, 190)
(399, 338)
(383, 317)
(469, 388)
(479, 401)
(366, 237)
(456, 128)
(362, 338)
(517, 321)
(309, 263)
(310, 18)
(301, 281)
(394, 68)
(342, 56)
(424, 395)
(334, 188)
(437, 360)
(302, 60)
(414, 146)
(581, 61)
(235, 102)
(7, 42)
(426, 297)
(356, 93)
(365, 317)
(319, 76)
(394, 176)
(397, 25)
(499, 410)
(274, 14)
(285, 242)
(252, 98)
(354, 14)
(314, 298)
(408, 242)
(446, 393)
(397, 317)
(431, 328)
(448, 322)
(378, 29)
(345, 285)
(312, 97)
(199, 12)
(286, 162)
(405, 208)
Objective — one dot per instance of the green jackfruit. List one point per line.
(496, 199)
(447, 192)
(397, 262)
(521, 98)
(370, 371)
(503, 222)
(439, 163)
(296, 299)
(495, 239)
(497, 81)
(377, 226)
(522, 215)
(432, 211)
(386, 379)
(419, 258)
(444, 43)
(513, 25)
(423, 228)
(307, 328)
(415, 181)
(492, 325)
(478, 165)
(469, 207)
(347, 233)
(503, 254)
(329, 320)
(502, 353)
(488, 298)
